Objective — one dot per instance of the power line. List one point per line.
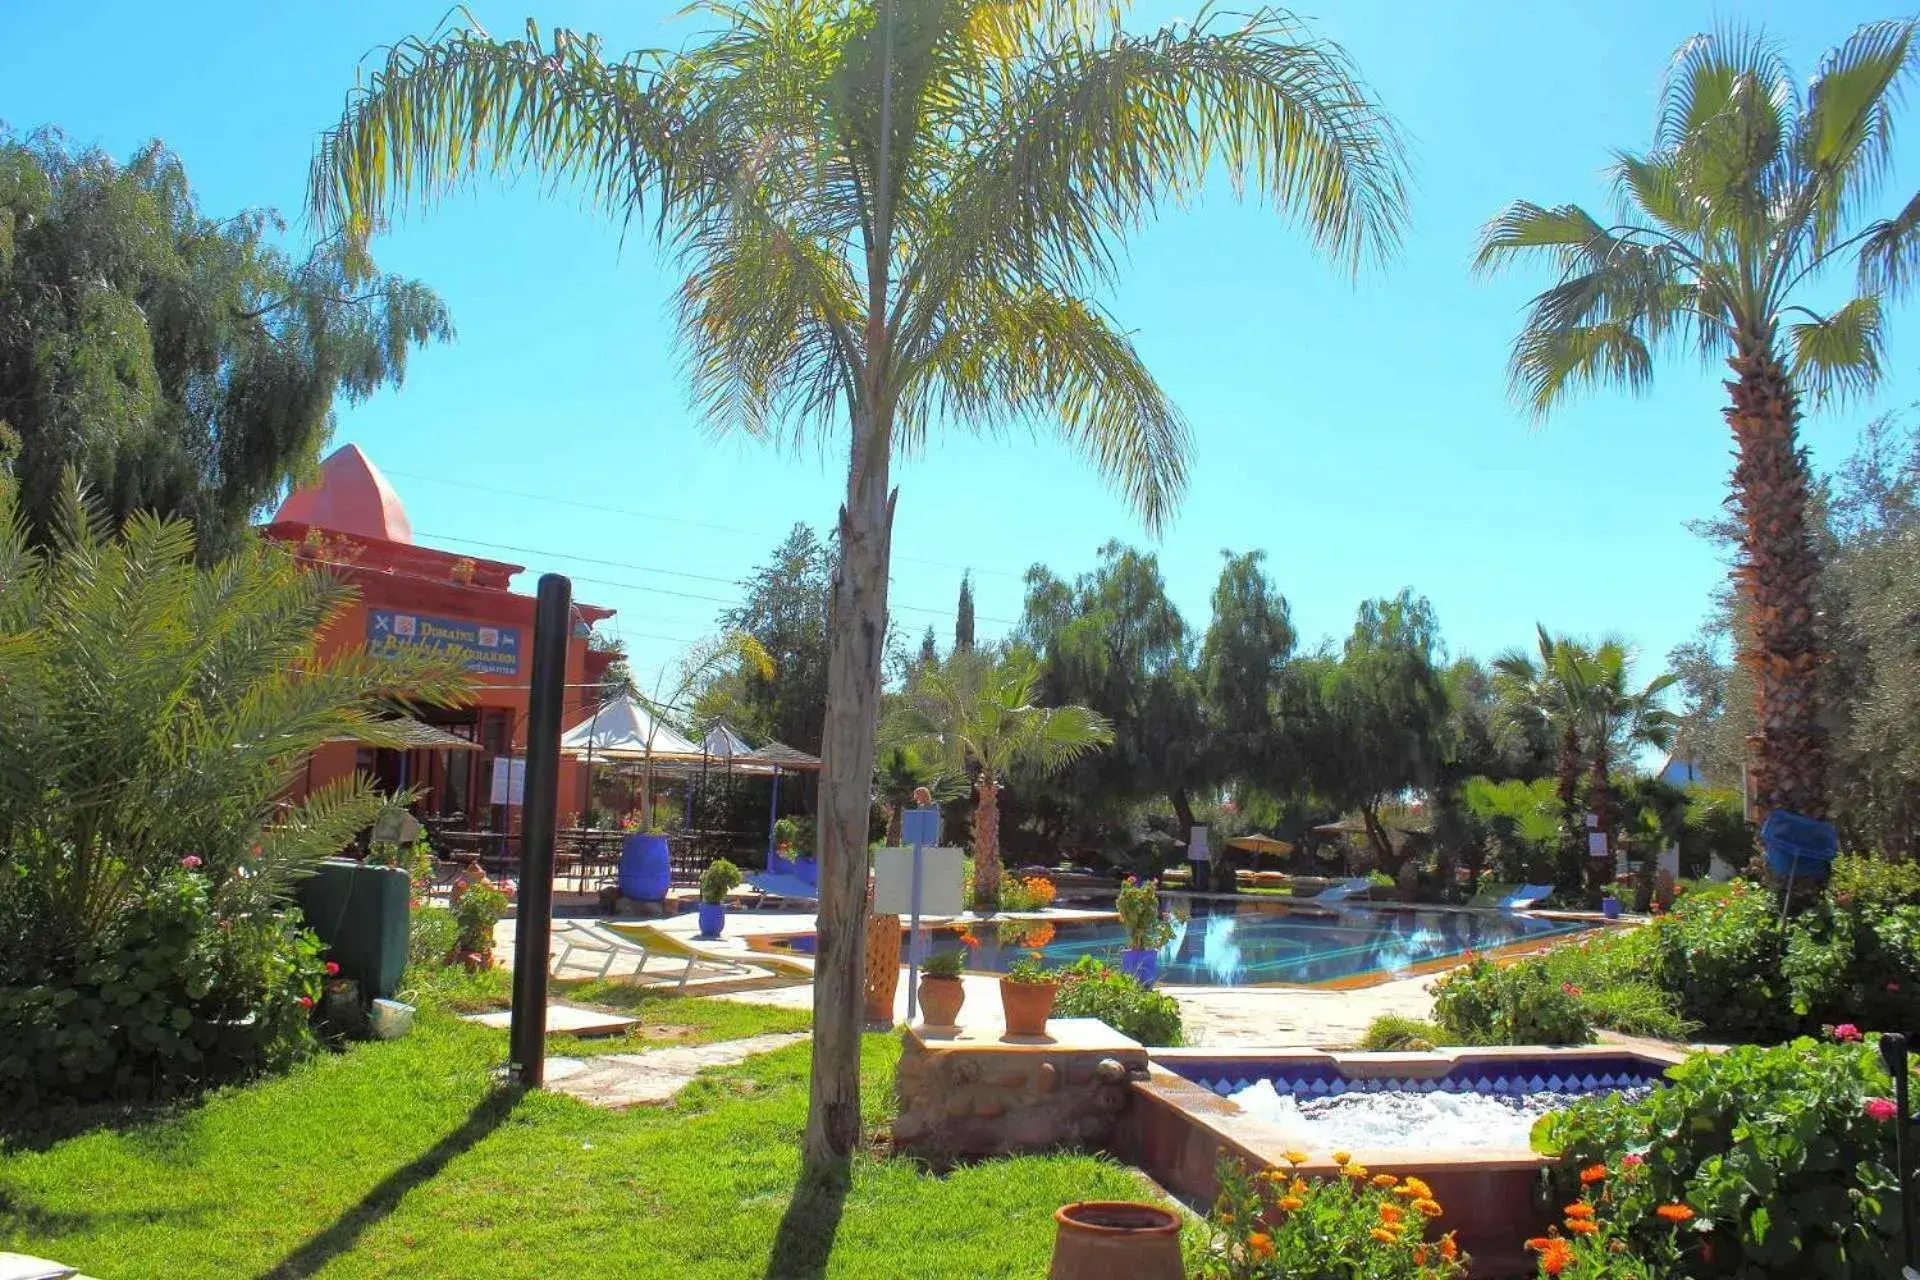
(678, 520)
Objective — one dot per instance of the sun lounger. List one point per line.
(637, 944)
(1344, 890)
(1525, 896)
(784, 884)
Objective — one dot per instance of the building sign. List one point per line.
(492, 651)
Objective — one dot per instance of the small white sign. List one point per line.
(509, 780)
(941, 873)
(1597, 844)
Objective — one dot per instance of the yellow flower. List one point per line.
(1391, 1214)
(1296, 1157)
(1300, 1187)
(1414, 1189)
(1358, 1172)
(1290, 1203)
(1428, 1208)
(1385, 1236)
(1384, 1180)
(1227, 1219)
(1260, 1245)
(1341, 1157)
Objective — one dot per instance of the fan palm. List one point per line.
(892, 216)
(899, 771)
(1618, 720)
(1538, 695)
(1751, 192)
(975, 711)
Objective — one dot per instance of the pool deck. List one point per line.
(1266, 1015)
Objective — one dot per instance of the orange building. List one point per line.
(416, 597)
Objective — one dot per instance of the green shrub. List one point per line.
(1485, 1003)
(1719, 950)
(431, 935)
(1856, 964)
(1138, 906)
(1395, 1033)
(1774, 1149)
(719, 879)
(1635, 1008)
(1861, 880)
(1090, 989)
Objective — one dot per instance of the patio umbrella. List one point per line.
(1258, 843)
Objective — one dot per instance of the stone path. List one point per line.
(563, 1019)
(628, 1079)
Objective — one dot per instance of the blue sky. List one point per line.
(1360, 434)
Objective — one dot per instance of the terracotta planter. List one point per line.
(1115, 1240)
(883, 967)
(1028, 1005)
(940, 1001)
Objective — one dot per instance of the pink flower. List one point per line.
(1631, 1160)
(1846, 1033)
(1881, 1109)
(306, 1002)
(1893, 986)
(333, 970)
(191, 862)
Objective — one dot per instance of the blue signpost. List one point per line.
(919, 828)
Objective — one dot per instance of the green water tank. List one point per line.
(360, 912)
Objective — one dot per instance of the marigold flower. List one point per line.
(1415, 1189)
(1260, 1245)
(1449, 1248)
(1674, 1213)
(1420, 1255)
(1881, 1109)
(1556, 1255)
(1593, 1173)
(1226, 1219)
(1427, 1208)
(1384, 1180)
(1292, 1203)
(1579, 1209)
(1385, 1235)
(1299, 1187)
(1391, 1214)
(1341, 1157)
(1582, 1227)
(1296, 1158)
(1358, 1172)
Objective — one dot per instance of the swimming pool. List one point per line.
(1236, 945)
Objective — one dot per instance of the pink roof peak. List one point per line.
(351, 497)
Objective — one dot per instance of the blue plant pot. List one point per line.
(713, 919)
(1142, 966)
(1610, 908)
(646, 872)
(808, 869)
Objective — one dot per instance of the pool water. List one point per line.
(1245, 945)
(1408, 1118)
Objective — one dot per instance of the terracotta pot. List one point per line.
(1027, 1005)
(883, 967)
(940, 1001)
(1115, 1240)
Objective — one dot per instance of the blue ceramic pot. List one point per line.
(713, 918)
(646, 872)
(1610, 908)
(1142, 966)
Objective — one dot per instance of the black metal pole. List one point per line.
(1893, 1053)
(533, 936)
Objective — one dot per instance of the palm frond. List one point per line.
(1890, 253)
(1841, 353)
(1846, 135)
(1548, 364)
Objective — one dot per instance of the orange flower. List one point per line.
(1384, 1180)
(1593, 1173)
(1385, 1235)
(1674, 1213)
(1449, 1248)
(1582, 1226)
(1299, 1187)
(1579, 1209)
(1420, 1255)
(1358, 1172)
(1391, 1214)
(1296, 1158)
(1341, 1157)
(1556, 1255)
(1260, 1245)
(1291, 1203)
(1415, 1189)
(1427, 1208)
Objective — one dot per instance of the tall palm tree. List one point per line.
(975, 711)
(1539, 697)
(893, 217)
(1751, 192)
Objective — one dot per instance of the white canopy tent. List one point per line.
(624, 730)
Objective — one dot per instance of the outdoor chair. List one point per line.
(786, 886)
(637, 944)
(1344, 890)
(1525, 896)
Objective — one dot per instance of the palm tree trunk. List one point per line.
(986, 843)
(1778, 575)
(859, 629)
(1567, 787)
(1599, 800)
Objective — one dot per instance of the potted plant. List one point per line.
(1028, 987)
(941, 991)
(1147, 930)
(476, 909)
(719, 879)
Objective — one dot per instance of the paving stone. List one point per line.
(564, 1019)
(629, 1079)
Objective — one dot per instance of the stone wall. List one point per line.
(971, 1093)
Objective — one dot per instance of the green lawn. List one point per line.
(403, 1159)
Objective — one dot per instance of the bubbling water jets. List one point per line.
(1220, 951)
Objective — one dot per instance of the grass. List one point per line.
(1396, 1033)
(405, 1159)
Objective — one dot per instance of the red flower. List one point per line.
(191, 862)
(1893, 986)
(1846, 1033)
(1569, 989)
(305, 1002)
(333, 970)
(1881, 1109)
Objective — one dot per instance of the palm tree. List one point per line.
(1618, 720)
(893, 217)
(1539, 697)
(975, 711)
(899, 771)
(1751, 191)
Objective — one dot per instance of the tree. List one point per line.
(675, 691)
(1248, 644)
(963, 616)
(786, 611)
(181, 364)
(1751, 191)
(929, 653)
(894, 215)
(1619, 720)
(899, 771)
(1539, 698)
(976, 712)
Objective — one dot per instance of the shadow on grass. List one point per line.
(486, 1116)
(805, 1239)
